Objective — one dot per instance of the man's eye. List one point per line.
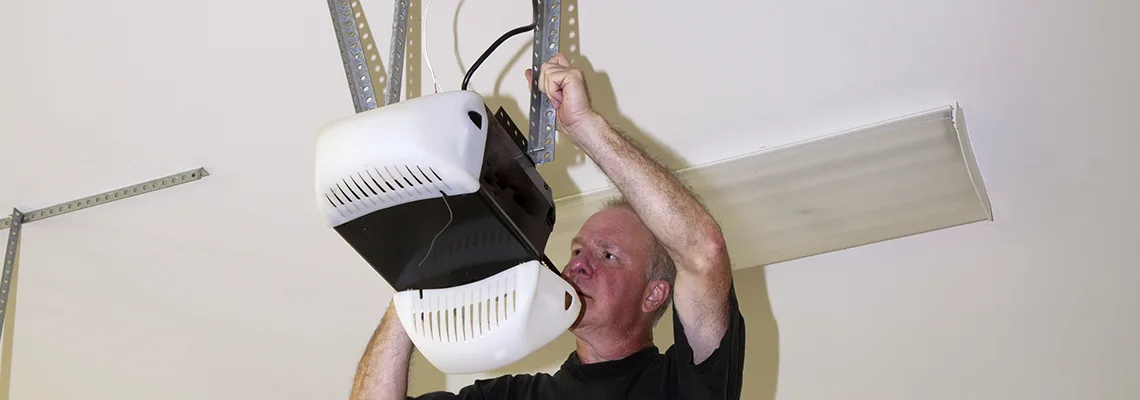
(610, 256)
(575, 252)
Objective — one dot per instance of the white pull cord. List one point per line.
(423, 44)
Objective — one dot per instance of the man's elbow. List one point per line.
(709, 253)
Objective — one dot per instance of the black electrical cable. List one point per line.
(508, 35)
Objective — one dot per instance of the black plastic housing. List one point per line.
(506, 222)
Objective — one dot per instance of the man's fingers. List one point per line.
(556, 65)
(549, 82)
(554, 75)
(557, 80)
(552, 80)
(550, 89)
(560, 59)
(551, 86)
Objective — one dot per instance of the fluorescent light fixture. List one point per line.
(896, 178)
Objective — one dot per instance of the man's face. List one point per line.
(608, 261)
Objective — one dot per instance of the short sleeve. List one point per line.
(718, 377)
(503, 387)
(467, 393)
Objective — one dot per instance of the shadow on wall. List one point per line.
(762, 335)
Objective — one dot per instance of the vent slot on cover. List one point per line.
(384, 184)
(468, 321)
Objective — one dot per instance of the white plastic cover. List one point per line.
(490, 323)
(400, 153)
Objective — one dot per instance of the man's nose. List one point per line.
(578, 267)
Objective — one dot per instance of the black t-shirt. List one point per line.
(644, 375)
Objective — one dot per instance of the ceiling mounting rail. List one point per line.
(359, 68)
(396, 58)
(10, 253)
(540, 141)
(349, 31)
(107, 197)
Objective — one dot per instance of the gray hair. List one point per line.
(661, 266)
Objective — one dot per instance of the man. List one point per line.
(627, 262)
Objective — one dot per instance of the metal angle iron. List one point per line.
(541, 138)
(10, 253)
(109, 196)
(356, 68)
(396, 57)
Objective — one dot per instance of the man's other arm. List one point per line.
(686, 229)
(383, 370)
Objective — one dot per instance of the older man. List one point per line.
(628, 261)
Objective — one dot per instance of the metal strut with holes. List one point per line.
(14, 222)
(348, 21)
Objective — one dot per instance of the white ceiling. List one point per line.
(231, 287)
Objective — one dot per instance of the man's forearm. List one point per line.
(666, 206)
(383, 370)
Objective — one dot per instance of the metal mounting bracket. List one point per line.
(12, 250)
(107, 197)
(347, 17)
(396, 56)
(540, 144)
(361, 64)
(356, 66)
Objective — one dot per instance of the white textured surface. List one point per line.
(232, 288)
(891, 179)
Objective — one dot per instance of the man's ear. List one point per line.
(655, 296)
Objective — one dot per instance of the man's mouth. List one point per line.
(577, 290)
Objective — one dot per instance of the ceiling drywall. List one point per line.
(231, 287)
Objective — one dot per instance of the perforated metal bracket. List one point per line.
(361, 67)
(10, 253)
(396, 58)
(351, 33)
(107, 197)
(540, 144)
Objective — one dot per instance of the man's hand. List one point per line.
(566, 88)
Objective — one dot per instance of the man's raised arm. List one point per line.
(383, 370)
(686, 229)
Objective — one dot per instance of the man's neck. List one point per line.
(595, 349)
